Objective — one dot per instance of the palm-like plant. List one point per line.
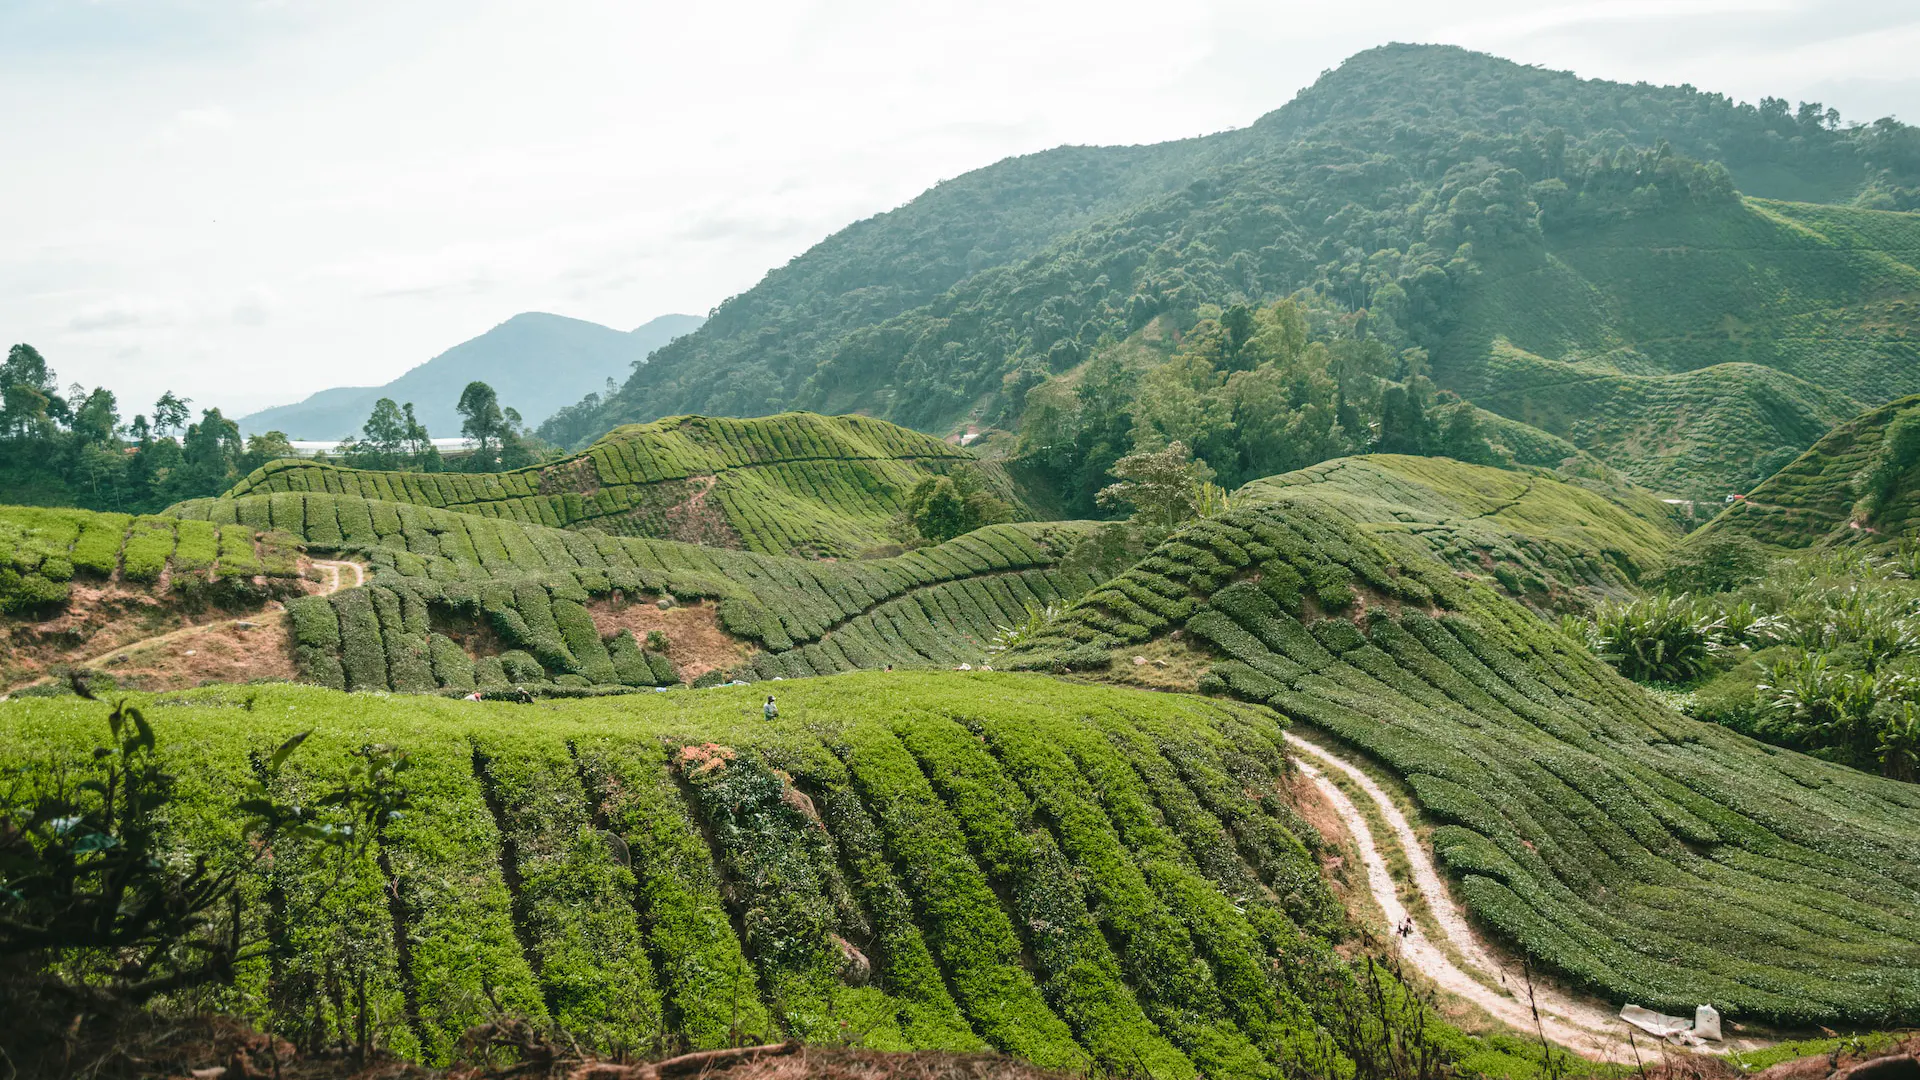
(1661, 638)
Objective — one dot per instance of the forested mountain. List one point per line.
(536, 361)
(1414, 193)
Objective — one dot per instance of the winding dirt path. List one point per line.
(1586, 1026)
(336, 574)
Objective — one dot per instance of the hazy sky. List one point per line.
(248, 200)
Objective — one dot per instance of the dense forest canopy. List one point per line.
(1388, 187)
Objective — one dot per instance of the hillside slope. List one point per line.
(535, 361)
(794, 483)
(1818, 497)
(1711, 431)
(1645, 856)
(1086, 878)
(76, 585)
(1551, 542)
(1363, 189)
(460, 601)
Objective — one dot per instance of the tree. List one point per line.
(482, 423)
(263, 447)
(385, 435)
(170, 413)
(29, 394)
(940, 508)
(1162, 487)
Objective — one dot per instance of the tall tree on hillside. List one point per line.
(170, 413)
(421, 453)
(384, 435)
(482, 422)
(29, 393)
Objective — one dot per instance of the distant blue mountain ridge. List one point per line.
(537, 363)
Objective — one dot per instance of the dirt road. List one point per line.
(336, 575)
(1586, 1026)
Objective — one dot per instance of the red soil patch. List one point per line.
(695, 641)
(227, 652)
(101, 618)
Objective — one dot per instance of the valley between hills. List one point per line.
(1368, 594)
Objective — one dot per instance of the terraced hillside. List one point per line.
(1643, 855)
(1553, 542)
(460, 601)
(76, 584)
(1819, 497)
(795, 483)
(1088, 878)
(1750, 281)
(1713, 431)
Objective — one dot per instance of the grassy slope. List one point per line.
(1830, 295)
(440, 574)
(1646, 856)
(1697, 432)
(1549, 541)
(796, 482)
(1812, 500)
(1084, 877)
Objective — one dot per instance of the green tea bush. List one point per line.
(1574, 801)
(796, 483)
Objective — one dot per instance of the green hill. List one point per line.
(1821, 496)
(1091, 879)
(1406, 183)
(460, 601)
(793, 483)
(1642, 855)
(1547, 540)
(1709, 432)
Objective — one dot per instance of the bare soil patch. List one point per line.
(696, 643)
(236, 651)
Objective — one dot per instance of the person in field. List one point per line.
(770, 710)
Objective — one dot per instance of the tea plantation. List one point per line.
(796, 483)
(1089, 878)
(438, 572)
(1710, 431)
(1648, 857)
(1825, 293)
(43, 551)
(1819, 497)
(1549, 540)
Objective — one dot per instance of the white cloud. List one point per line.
(187, 124)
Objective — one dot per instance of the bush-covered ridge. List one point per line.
(797, 482)
(1708, 432)
(1083, 877)
(1552, 541)
(1408, 184)
(1820, 496)
(42, 551)
(1646, 856)
(437, 571)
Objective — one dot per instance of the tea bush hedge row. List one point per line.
(43, 549)
(1552, 542)
(1812, 500)
(1810, 292)
(1645, 856)
(904, 860)
(795, 483)
(937, 605)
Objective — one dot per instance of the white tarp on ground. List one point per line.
(1704, 1025)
